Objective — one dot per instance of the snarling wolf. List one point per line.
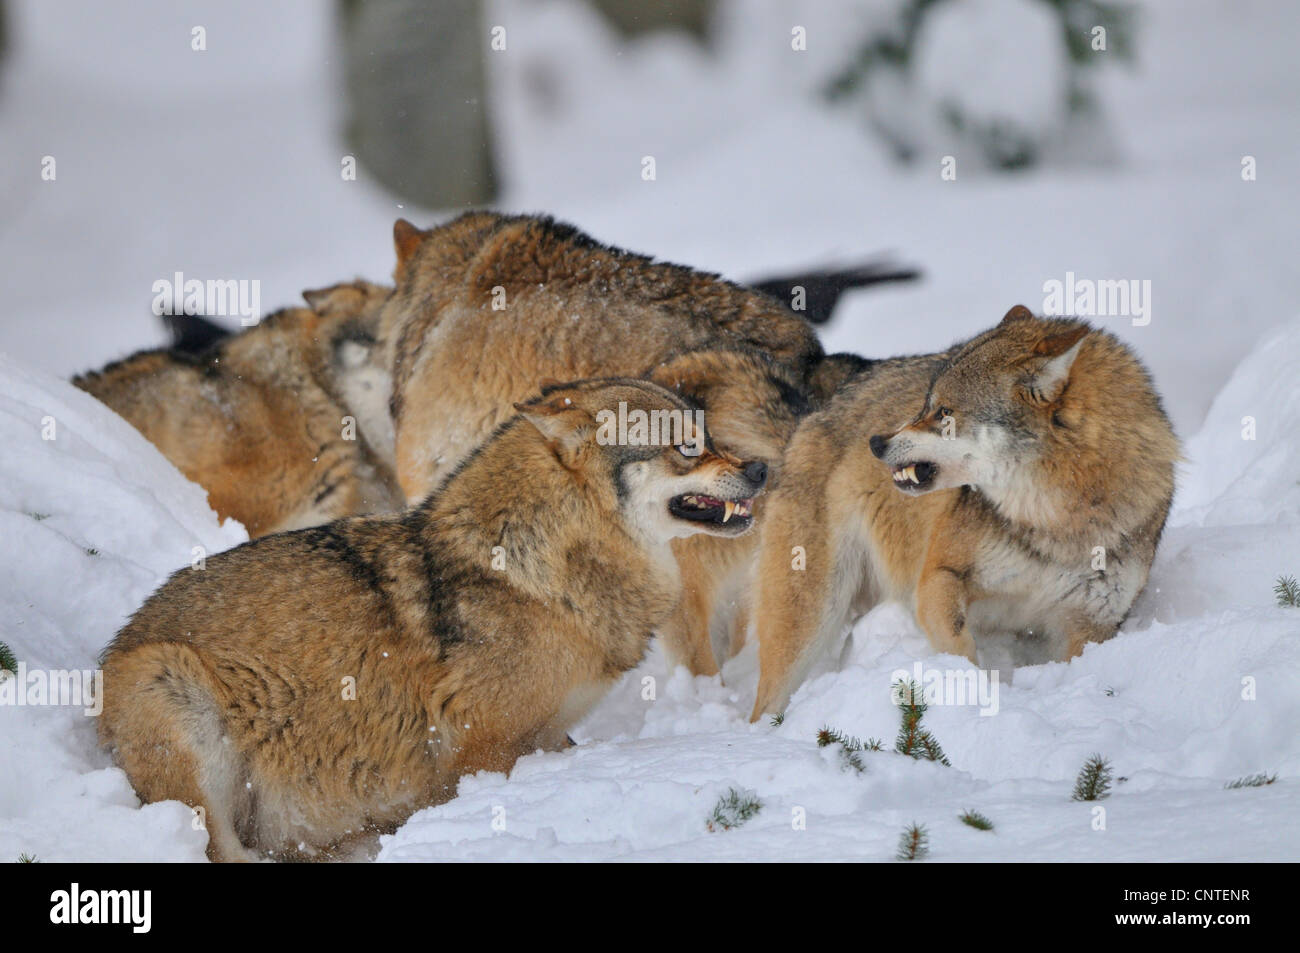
(1014, 485)
(314, 686)
(488, 304)
(285, 425)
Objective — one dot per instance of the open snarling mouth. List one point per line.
(736, 514)
(915, 477)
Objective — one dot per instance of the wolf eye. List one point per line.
(944, 412)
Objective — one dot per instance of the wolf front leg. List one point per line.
(941, 612)
(807, 576)
(942, 592)
(686, 633)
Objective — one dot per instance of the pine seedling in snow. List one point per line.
(1287, 591)
(1250, 781)
(913, 843)
(833, 736)
(913, 740)
(7, 660)
(976, 820)
(733, 809)
(850, 748)
(778, 719)
(27, 859)
(1093, 782)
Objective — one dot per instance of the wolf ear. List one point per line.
(1059, 352)
(1018, 313)
(406, 239)
(324, 301)
(316, 297)
(565, 427)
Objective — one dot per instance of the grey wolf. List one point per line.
(285, 425)
(1016, 484)
(316, 686)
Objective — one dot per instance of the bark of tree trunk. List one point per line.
(417, 103)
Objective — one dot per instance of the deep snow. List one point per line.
(214, 174)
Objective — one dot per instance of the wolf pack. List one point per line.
(453, 556)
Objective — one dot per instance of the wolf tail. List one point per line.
(192, 333)
(823, 289)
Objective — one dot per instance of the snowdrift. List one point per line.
(93, 518)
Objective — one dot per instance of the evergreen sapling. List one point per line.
(913, 740)
(733, 809)
(913, 843)
(1094, 779)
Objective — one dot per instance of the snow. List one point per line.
(230, 168)
(93, 519)
(993, 63)
(996, 60)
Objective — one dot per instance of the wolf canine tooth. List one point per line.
(728, 508)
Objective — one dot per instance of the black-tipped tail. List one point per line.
(193, 334)
(822, 289)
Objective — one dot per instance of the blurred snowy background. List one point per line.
(226, 163)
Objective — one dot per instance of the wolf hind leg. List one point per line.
(1080, 630)
(686, 633)
(167, 733)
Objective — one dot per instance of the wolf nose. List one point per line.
(755, 472)
(877, 444)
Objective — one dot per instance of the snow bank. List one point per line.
(1234, 526)
(93, 518)
(1247, 454)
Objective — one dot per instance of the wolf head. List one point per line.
(752, 402)
(349, 299)
(665, 476)
(990, 409)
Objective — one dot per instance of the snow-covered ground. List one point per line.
(228, 166)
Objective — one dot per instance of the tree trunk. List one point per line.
(416, 98)
(642, 16)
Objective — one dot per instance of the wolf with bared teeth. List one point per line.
(316, 687)
(1016, 484)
